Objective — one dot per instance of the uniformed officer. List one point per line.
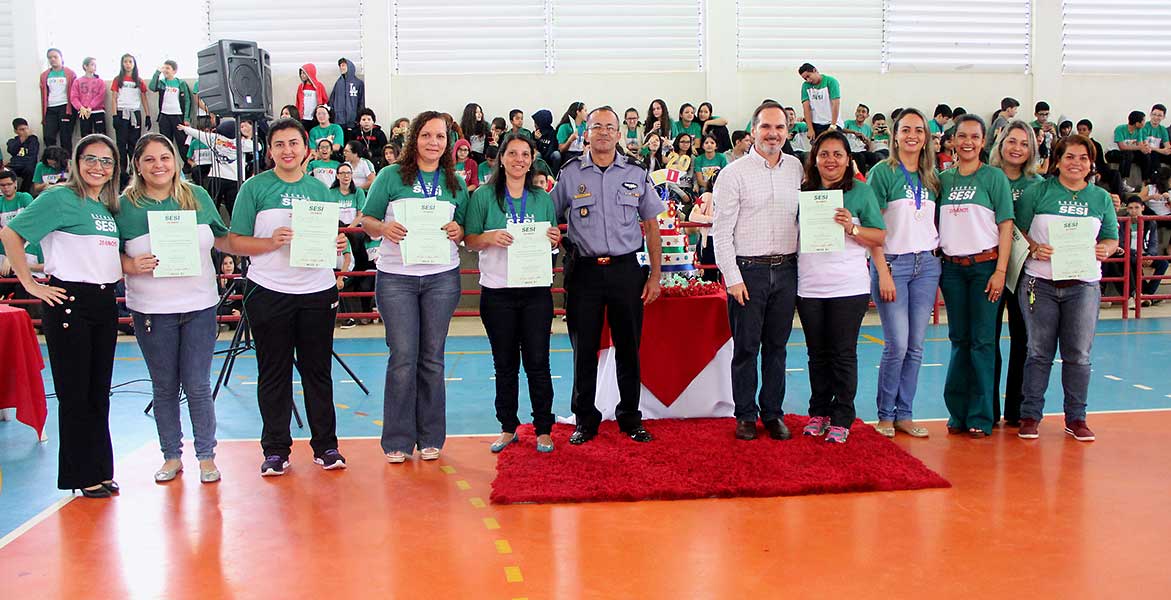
(603, 197)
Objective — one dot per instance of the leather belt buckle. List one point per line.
(603, 260)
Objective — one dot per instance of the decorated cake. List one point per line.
(678, 256)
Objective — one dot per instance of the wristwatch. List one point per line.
(854, 231)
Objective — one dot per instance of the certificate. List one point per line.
(174, 240)
(1073, 242)
(815, 215)
(314, 243)
(426, 242)
(1016, 259)
(530, 262)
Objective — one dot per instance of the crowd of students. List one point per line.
(929, 203)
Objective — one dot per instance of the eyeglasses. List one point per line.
(91, 160)
(598, 128)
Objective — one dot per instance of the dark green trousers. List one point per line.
(970, 391)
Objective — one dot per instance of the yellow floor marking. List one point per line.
(503, 547)
(448, 470)
(873, 339)
(491, 523)
(512, 574)
(342, 406)
(477, 502)
(377, 422)
(463, 485)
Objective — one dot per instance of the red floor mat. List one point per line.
(700, 458)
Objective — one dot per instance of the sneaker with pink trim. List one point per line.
(837, 435)
(816, 426)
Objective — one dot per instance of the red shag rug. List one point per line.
(701, 458)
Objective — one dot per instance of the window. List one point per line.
(7, 44)
(831, 34)
(294, 32)
(974, 35)
(619, 35)
(434, 36)
(1124, 36)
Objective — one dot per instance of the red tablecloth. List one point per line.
(21, 386)
(680, 336)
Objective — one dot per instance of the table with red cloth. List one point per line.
(21, 386)
(685, 358)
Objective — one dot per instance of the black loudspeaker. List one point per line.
(235, 79)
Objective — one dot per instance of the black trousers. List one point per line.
(831, 328)
(1126, 158)
(81, 335)
(223, 192)
(281, 325)
(26, 178)
(127, 132)
(169, 127)
(96, 123)
(613, 292)
(517, 321)
(1018, 351)
(58, 127)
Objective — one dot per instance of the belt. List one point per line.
(608, 260)
(1065, 283)
(771, 260)
(973, 259)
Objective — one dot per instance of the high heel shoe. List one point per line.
(101, 492)
(112, 486)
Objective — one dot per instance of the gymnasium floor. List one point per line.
(1052, 517)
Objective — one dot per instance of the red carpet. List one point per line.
(700, 458)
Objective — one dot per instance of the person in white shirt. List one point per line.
(755, 237)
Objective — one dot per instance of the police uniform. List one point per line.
(603, 278)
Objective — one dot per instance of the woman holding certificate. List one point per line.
(833, 288)
(1015, 153)
(1071, 227)
(75, 228)
(412, 206)
(975, 237)
(512, 224)
(904, 273)
(168, 228)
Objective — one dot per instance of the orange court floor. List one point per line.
(1049, 518)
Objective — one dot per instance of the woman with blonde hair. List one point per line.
(174, 317)
(75, 226)
(905, 271)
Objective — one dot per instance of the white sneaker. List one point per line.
(396, 457)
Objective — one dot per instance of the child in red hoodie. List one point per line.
(310, 94)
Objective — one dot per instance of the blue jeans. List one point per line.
(1068, 314)
(904, 328)
(416, 312)
(762, 327)
(178, 350)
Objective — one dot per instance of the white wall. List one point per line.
(1104, 99)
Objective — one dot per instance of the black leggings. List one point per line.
(58, 127)
(127, 132)
(517, 321)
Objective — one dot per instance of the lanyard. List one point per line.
(524, 203)
(917, 187)
(429, 193)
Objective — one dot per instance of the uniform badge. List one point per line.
(582, 193)
(584, 212)
(630, 185)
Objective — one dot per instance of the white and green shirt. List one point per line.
(820, 98)
(349, 205)
(324, 171)
(1123, 134)
(387, 188)
(170, 295)
(265, 203)
(970, 208)
(1049, 201)
(484, 172)
(79, 236)
(856, 144)
(10, 208)
(171, 104)
(58, 92)
(45, 174)
(1155, 135)
(483, 214)
(843, 273)
(909, 228)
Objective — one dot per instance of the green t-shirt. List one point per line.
(349, 205)
(709, 166)
(79, 236)
(319, 133)
(694, 129)
(970, 208)
(45, 174)
(198, 151)
(483, 172)
(820, 98)
(484, 213)
(932, 125)
(389, 187)
(264, 203)
(1049, 201)
(324, 170)
(1122, 133)
(1155, 135)
(1022, 183)
(857, 145)
(565, 129)
(524, 132)
(10, 208)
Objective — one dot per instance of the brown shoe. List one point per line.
(746, 430)
(1028, 430)
(777, 430)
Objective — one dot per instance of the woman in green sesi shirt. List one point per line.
(75, 227)
(517, 319)
(174, 317)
